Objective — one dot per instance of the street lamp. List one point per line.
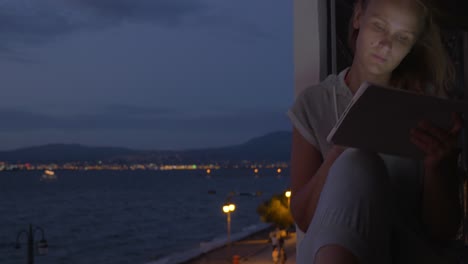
(227, 209)
(42, 247)
(288, 195)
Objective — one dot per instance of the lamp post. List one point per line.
(42, 246)
(288, 195)
(227, 209)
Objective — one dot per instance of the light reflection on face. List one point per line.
(388, 30)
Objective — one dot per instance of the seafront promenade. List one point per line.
(252, 245)
(255, 249)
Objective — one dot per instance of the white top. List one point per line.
(315, 112)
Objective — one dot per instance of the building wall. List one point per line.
(310, 43)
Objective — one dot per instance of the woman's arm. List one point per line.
(441, 208)
(308, 175)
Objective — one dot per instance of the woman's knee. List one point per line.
(359, 171)
(353, 210)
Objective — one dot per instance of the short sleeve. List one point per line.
(301, 117)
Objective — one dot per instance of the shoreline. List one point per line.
(260, 237)
(205, 248)
(255, 249)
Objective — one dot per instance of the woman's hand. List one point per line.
(437, 144)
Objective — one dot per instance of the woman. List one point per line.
(361, 207)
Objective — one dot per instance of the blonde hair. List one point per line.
(427, 63)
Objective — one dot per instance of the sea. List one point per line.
(127, 216)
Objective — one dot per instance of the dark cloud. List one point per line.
(17, 120)
(234, 25)
(132, 110)
(30, 21)
(21, 121)
(33, 22)
(166, 12)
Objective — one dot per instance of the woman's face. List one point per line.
(388, 30)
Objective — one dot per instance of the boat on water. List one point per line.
(48, 175)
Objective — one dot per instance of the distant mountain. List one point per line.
(274, 146)
(270, 147)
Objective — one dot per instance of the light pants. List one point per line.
(356, 211)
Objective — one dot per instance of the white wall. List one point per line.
(310, 43)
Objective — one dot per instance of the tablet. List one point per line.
(379, 119)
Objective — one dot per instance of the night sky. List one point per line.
(144, 74)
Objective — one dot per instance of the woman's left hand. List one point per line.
(437, 144)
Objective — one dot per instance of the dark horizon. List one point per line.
(135, 149)
(271, 147)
